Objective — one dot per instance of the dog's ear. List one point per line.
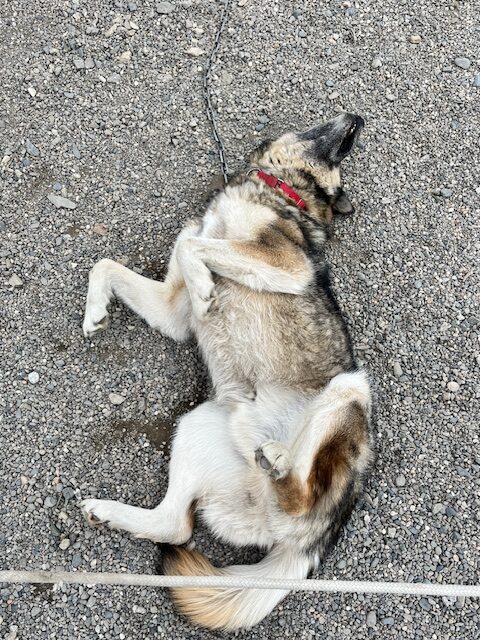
(343, 205)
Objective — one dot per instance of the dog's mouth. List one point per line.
(350, 137)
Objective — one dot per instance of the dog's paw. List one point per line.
(96, 319)
(204, 300)
(99, 512)
(274, 459)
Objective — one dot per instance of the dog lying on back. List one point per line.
(278, 457)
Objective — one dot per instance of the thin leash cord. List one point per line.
(238, 582)
(222, 156)
(235, 582)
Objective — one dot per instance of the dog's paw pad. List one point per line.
(274, 458)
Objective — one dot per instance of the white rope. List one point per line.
(236, 582)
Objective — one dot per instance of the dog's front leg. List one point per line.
(164, 305)
(279, 268)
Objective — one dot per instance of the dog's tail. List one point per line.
(231, 609)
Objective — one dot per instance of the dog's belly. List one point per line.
(258, 337)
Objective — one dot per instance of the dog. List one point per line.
(278, 457)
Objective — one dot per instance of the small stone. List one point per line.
(33, 377)
(242, 3)
(78, 63)
(32, 150)
(89, 63)
(397, 369)
(35, 611)
(165, 8)
(334, 95)
(64, 544)
(376, 62)
(57, 186)
(116, 398)
(425, 604)
(371, 619)
(60, 202)
(195, 52)
(49, 502)
(453, 386)
(263, 119)
(68, 493)
(76, 151)
(114, 78)
(125, 57)
(100, 228)
(390, 96)
(388, 621)
(400, 480)
(15, 281)
(438, 507)
(446, 193)
(463, 63)
(302, 34)
(32, 91)
(415, 38)
(132, 6)
(330, 83)
(391, 532)
(76, 560)
(476, 80)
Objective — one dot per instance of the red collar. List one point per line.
(277, 183)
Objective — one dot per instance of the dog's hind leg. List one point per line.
(331, 449)
(164, 305)
(199, 452)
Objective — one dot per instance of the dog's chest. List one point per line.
(231, 217)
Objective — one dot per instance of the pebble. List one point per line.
(114, 78)
(116, 398)
(390, 96)
(264, 119)
(76, 151)
(371, 619)
(195, 52)
(446, 193)
(76, 560)
(89, 63)
(125, 57)
(376, 62)
(425, 604)
(49, 502)
(397, 369)
(33, 377)
(60, 202)
(31, 149)
(64, 544)
(476, 80)
(15, 281)
(35, 611)
(463, 63)
(453, 386)
(400, 480)
(78, 63)
(165, 8)
(415, 38)
(100, 228)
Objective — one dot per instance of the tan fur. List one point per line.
(204, 606)
(331, 469)
(274, 249)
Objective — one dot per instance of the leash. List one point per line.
(238, 582)
(211, 115)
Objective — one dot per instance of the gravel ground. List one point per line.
(101, 104)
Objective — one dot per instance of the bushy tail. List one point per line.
(231, 609)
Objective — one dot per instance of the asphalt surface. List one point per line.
(101, 103)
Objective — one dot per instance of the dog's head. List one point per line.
(315, 155)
